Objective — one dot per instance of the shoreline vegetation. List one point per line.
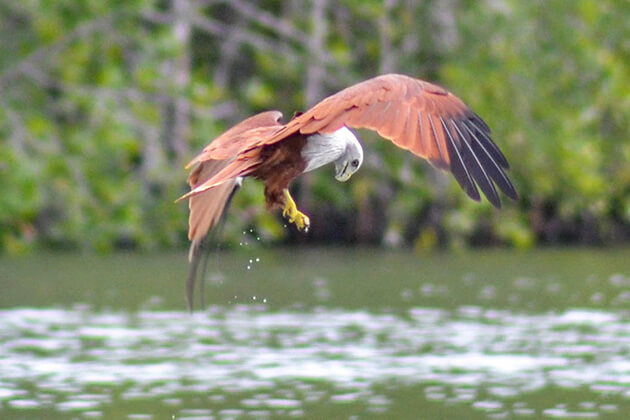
(103, 103)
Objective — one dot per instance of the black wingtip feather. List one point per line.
(478, 126)
(472, 161)
(480, 122)
(488, 160)
(475, 160)
(494, 171)
(458, 167)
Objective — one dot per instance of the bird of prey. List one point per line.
(415, 115)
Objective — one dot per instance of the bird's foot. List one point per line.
(293, 215)
(302, 222)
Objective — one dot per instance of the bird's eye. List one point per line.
(355, 163)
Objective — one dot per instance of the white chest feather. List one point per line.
(321, 149)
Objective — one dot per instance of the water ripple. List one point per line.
(160, 354)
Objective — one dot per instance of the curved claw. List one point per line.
(293, 215)
(302, 221)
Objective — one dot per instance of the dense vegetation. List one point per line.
(103, 102)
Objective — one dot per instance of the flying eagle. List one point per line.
(415, 115)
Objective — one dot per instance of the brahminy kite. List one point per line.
(419, 116)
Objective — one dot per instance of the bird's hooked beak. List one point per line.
(342, 174)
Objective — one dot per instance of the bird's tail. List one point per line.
(206, 211)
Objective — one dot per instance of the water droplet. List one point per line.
(249, 267)
(257, 259)
(251, 261)
(258, 238)
(265, 300)
(253, 297)
(251, 230)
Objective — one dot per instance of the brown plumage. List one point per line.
(230, 156)
(206, 209)
(415, 115)
(421, 117)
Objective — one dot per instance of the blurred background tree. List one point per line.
(103, 102)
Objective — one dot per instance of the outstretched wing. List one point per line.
(233, 149)
(220, 161)
(240, 137)
(421, 117)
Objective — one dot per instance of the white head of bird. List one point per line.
(351, 159)
(341, 147)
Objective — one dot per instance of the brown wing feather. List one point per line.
(218, 166)
(415, 115)
(241, 137)
(216, 171)
(385, 104)
(244, 165)
(420, 117)
(206, 209)
(236, 150)
(205, 212)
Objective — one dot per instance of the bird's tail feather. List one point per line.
(206, 211)
(197, 256)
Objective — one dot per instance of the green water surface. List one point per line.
(318, 333)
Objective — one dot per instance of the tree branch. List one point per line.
(35, 59)
(269, 21)
(388, 59)
(315, 72)
(246, 37)
(18, 132)
(183, 11)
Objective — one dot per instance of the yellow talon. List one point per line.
(290, 209)
(302, 221)
(293, 215)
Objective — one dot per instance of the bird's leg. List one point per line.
(291, 212)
